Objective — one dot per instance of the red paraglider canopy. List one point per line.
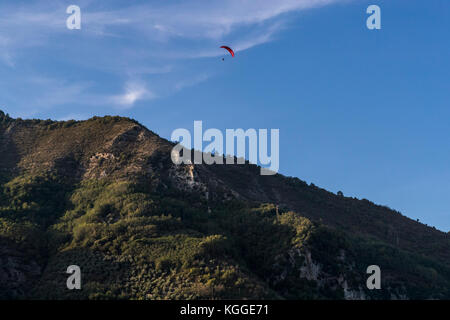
(229, 50)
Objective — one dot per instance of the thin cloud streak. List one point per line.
(131, 46)
(134, 92)
(208, 20)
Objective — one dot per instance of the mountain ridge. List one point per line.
(73, 184)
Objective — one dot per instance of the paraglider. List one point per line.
(229, 50)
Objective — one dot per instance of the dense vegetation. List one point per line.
(137, 236)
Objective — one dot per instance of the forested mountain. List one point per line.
(104, 194)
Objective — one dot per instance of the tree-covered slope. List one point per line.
(103, 194)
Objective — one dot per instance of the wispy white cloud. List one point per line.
(134, 91)
(55, 92)
(150, 70)
(7, 59)
(38, 93)
(134, 41)
(201, 19)
(192, 81)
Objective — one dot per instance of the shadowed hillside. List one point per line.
(104, 194)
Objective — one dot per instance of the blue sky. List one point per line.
(365, 112)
